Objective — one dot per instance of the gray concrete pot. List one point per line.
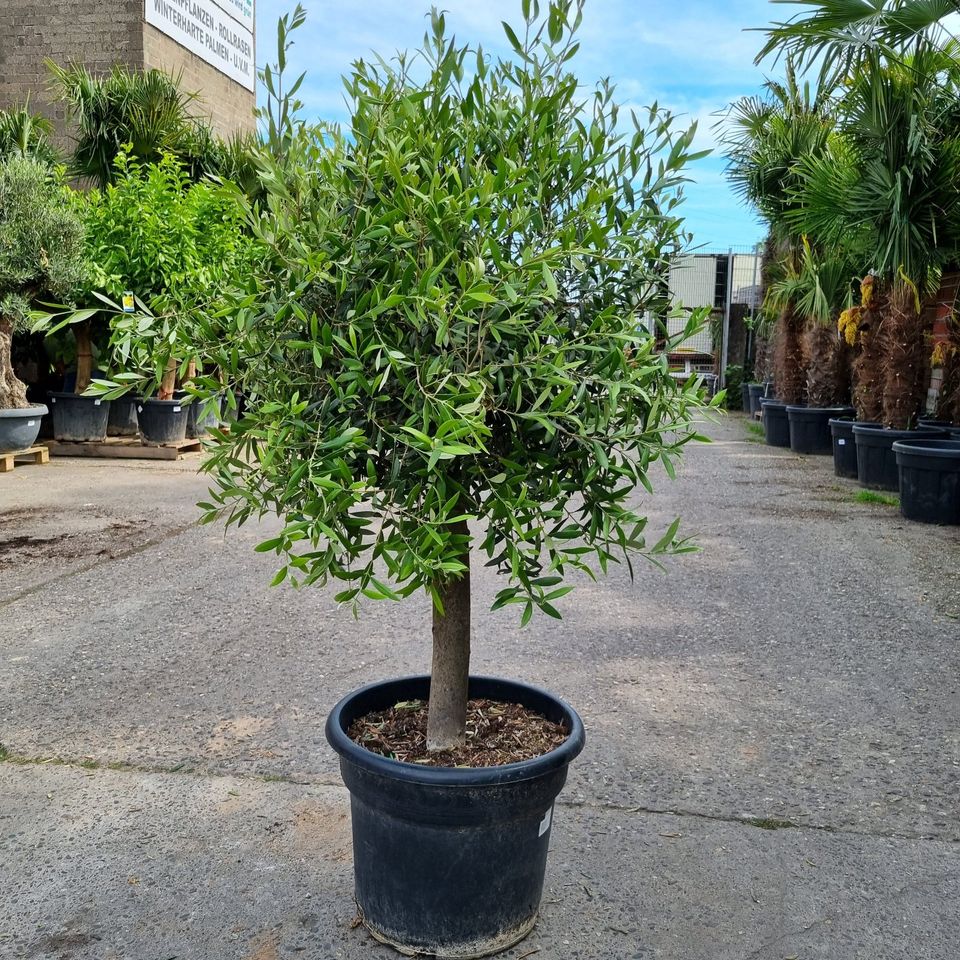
(19, 428)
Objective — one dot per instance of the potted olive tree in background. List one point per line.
(41, 256)
(443, 357)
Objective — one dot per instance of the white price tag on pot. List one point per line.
(176, 409)
(545, 822)
(841, 442)
(96, 403)
(31, 423)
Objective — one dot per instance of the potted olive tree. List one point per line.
(41, 256)
(444, 359)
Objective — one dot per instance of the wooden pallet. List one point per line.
(38, 455)
(129, 448)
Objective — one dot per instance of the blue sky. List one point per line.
(692, 56)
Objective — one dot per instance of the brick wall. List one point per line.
(99, 34)
(228, 105)
(95, 33)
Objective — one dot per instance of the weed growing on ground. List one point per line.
(755, 428)
(871, 496)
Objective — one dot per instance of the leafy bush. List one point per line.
(41, 254)
(169, 241)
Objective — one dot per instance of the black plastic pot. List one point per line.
(745, 397)
(929, 480)
(162, 421)
(936, 424)
(203, 417)
(450, 862)
(122, 421)
(876, 461)
(755, 391)
(845, 445)
(19, 428)
(810, 427)
(776, 426)
(79, 419)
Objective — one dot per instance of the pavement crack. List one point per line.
(764, 948)
(196, 768)
(760, 823)
(122, 555)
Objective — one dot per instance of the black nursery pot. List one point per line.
(810, 427)
(122, 421)
(745, 397)
(929, 480)
(755, 391)
(203, 417)
(78, 419)
(162, 421)
(845, 445)
(776, 426)
(936, 424)
(876, 461)
(450, 862)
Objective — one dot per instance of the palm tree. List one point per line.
(26, 134)
(890, 180)
(765, 137)
(146, 110)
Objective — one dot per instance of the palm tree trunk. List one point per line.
(788, 361)
(13, 391)
(828, 366)
(868, 366)
(906, 373)
(450, 672)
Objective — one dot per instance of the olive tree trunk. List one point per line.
(13, 391)
(84, 341)
(450, 672)
(169, 381)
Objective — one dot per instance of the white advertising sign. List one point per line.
(240, 10)
(205, 29)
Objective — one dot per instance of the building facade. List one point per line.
(209, 44)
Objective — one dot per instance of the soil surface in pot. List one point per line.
(497, 733)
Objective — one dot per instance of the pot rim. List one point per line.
(67, 395)
(931, 433)
(16, 413)
(559, 757)
(803, 408)
(925, 445)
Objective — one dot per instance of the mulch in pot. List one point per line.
(497, 733)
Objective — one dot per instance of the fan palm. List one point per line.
(146, 110)
(891, 180)
(765, 137)
(27, 135)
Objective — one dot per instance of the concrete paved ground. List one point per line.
(772, 767)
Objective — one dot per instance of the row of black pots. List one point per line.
(922, 464)
(78, 418)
